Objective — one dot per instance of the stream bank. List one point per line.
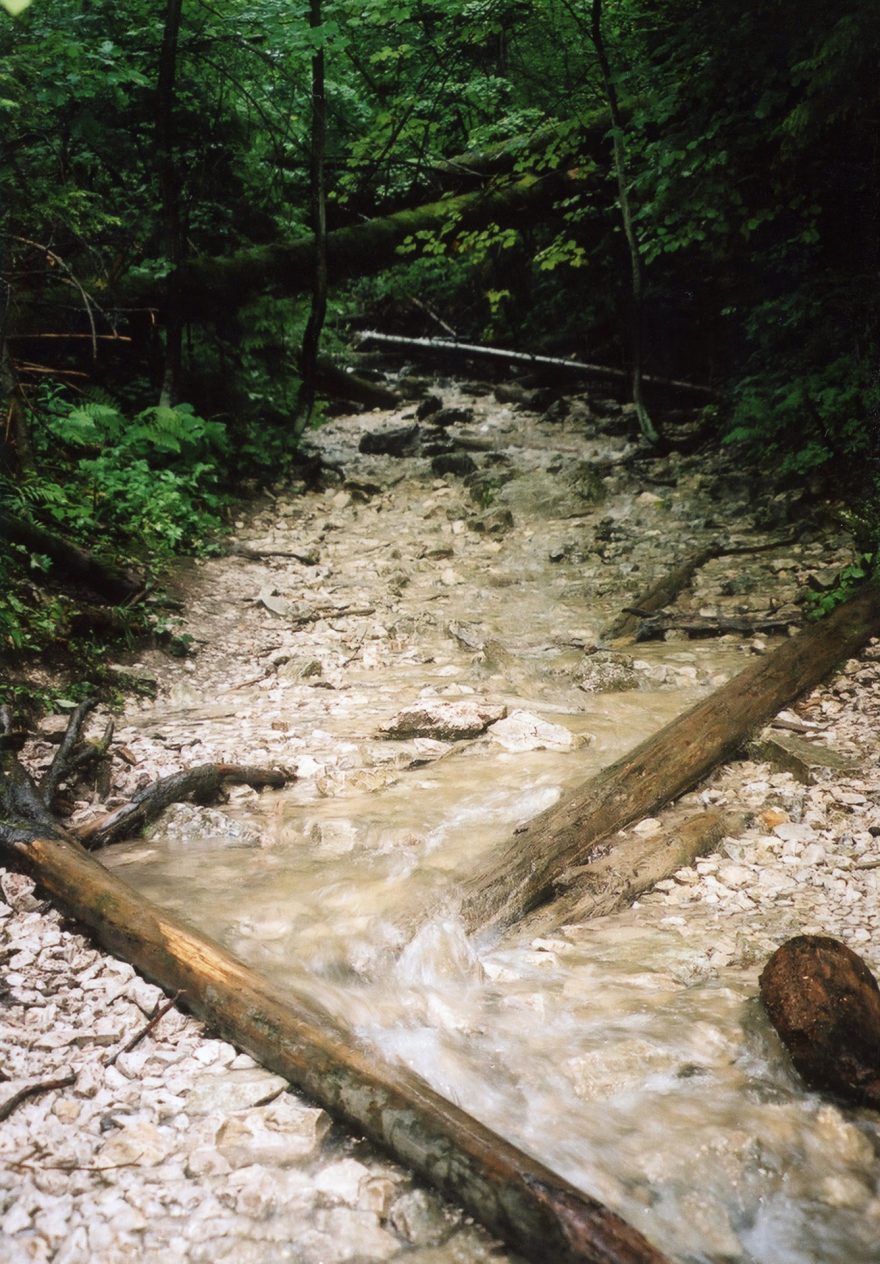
(414, 588)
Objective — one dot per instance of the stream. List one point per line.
(629, 1054)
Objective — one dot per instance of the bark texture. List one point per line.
(535, 1212)
(825, 1004)
(623, 867)
(525, 871)
(288, 267)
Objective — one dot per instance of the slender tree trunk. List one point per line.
(312, 336)
(169, 192)
(636, 271)
(16, 455)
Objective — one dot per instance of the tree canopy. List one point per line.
(542, 173)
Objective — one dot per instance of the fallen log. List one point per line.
(525, 871)
(806, 761)
(575, 368)
(358, 250)
(202, 784)
(653, 627)
(671, 585)
(538, 1214)
(825, 1005)
(76, 564)
(623, 867)
(338, 383)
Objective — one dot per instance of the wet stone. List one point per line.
(232, 1091)
(444, 721)
(401, 441)
(186, 825)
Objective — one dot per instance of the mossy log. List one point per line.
(525, 872)
(825, 1004)
(537, 1213)
(359, 250)
(73, 563)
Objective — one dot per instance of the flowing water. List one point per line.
(627, 1054)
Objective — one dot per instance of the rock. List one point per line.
(401, 441)
(548, 494)
(429, 406)
(271, 1135)
(199, 829)
(604, 673)
(421, 1218)
(520, 731)
(825, 1004)
(141, 1144)
(452, 416)
(342, 1180)
(444, 721)
(232, 1091)
(457, 463)
(494, 522)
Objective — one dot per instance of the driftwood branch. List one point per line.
(32, 1090)
(27, 809)
(202, 784)
(538, 1214)
(671, 585)
(576, 368)
(525, 871)
(653, 627)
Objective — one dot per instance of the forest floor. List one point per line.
(398, 580)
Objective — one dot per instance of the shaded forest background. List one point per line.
(567, 177)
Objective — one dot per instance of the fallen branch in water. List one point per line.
(626, 865)
(526, 870)
(670, 586)
(653, 627)
(27, 808)
(540, 1215)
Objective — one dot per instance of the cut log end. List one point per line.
(824, 1003)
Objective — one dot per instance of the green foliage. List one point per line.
(149, 485)
(849, 578)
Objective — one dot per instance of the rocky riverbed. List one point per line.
(420, 639)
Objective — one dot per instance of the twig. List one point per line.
(145, 1031)
(31, 1090)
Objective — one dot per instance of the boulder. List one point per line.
(401, 441)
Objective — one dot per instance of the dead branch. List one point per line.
(31, 1090)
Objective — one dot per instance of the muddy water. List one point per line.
(627, 1054)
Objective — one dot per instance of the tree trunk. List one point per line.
(626, 866)
(537, 1213)
(288, 267)
(312, 337)
(525, 871)
(169, 194)
(635, 258)
(468, 350)
(825, 1004)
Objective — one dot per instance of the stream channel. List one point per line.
(630, 1054)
